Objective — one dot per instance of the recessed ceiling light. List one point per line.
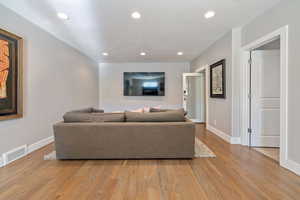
(179, 53)
(209, 14)
(105, 54)
(63, 16)
(142, 53)
(136, 15)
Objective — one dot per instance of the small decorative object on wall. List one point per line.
(11, 77)
(218, 80)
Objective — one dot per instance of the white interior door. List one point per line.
(194, 96)
(265, 98)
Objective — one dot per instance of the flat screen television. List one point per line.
(144, 84)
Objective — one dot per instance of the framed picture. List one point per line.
(218, 80)
(11, 76)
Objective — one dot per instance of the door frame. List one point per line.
(205, 69)
(281, 33)
(184, 75)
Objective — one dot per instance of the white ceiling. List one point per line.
(166, 26)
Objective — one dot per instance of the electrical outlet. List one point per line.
(215, 122)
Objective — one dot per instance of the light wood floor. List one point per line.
(236, 173)
(269, 152)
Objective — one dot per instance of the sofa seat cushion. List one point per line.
(168, 116)
(72, 117)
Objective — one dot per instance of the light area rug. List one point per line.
(201, 151)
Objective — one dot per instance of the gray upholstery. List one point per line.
(89, 110)
(93, 117)
(124, 140)
(83, 110)
(170, 116)
(95, 110)
(166, 110)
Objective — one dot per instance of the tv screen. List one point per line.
(144, 84)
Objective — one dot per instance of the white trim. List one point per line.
(28, 150)
(184, 87)
(196, 74)
(219, 133)
(205, 69)
(281, 33)
(244, 98)
(224, 136)
(40, 144)
(293, 166)
(235, 140)
(4, 155)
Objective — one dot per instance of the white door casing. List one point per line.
(194, 96)
(265, 98)
(281, 33)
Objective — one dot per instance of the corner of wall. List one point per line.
(224, 136)
(235, 70)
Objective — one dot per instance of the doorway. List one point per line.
(265, 99)
(254, 133)
(194, 96)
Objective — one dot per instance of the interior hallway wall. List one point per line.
(57, 78)
(219, 109)
(285, 13)
(111, 85)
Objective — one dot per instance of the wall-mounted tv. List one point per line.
(144, 83)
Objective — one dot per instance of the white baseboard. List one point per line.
(40, 144)
(224, 136)
(29, 149)
(292, 166)
(219, 133)
(235, 140)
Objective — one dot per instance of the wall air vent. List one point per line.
(14, 154)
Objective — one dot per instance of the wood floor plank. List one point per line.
(236, 173)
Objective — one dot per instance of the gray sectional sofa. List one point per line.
(124, 135)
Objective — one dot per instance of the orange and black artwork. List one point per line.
(10, 75)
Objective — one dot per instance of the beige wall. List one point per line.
(111, 85)
(285, 13)
(219, 109)
(57, 78)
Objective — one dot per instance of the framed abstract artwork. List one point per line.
(11, 76)
(218, 80)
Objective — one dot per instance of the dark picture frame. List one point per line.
(218, 79)
(11, 76)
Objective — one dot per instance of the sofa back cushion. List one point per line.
(95, 110)
(89, 110)
(165, 110)
(168, 116)
(72, 117)
(83, 110)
